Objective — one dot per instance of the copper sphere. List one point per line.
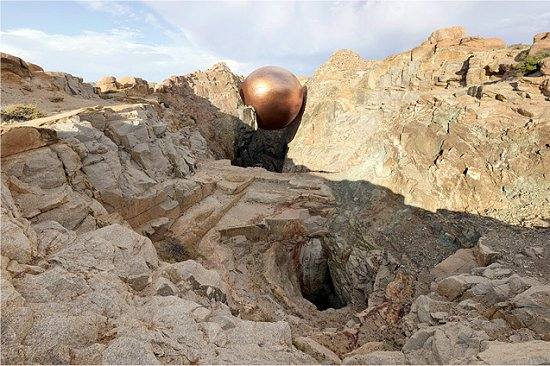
(276, 95)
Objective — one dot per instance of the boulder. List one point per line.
(134, 86)
(319, 352)
(357, 356)
(107, 84)
(462, 261)
(447, 35)
(523, 353)
(541, 44)
(483, 254)
(454, 286)
(545, 66)
(14, 65)
(112, 248)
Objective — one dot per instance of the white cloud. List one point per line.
(95, 54)
(302, 35)
(296, 35)
(112, 7)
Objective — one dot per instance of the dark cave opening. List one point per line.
(325, 297)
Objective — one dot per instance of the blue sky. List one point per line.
(156, 39)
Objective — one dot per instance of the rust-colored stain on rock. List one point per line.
(276, 95)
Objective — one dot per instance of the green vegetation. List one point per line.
(19, 113)
(528, 64)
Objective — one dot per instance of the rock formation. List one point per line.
(446, 125)
(127, 85)
(410, 224)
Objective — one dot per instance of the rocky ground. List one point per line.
(403, 219)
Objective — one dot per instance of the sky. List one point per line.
(156, 39)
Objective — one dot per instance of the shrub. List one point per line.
(20, 113)
(528, 64)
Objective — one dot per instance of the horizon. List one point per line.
(154, 40)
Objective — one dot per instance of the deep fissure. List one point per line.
(326, 297)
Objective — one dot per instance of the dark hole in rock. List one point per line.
(316, 282)
(325, 297)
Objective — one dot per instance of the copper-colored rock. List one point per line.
(276, 95)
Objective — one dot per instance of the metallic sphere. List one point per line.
(276, 95)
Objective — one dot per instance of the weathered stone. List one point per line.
(14, 65)
(525, 353)
(127, 350)
(165, 288)
(545, 66)
(357, 356)
(541, 43)
(484, 255)
(463, 261)
(19, 241)
(319, 352)
(51, 338)
(454, 286)
(112, 248)
(207, 282)
(376, 358)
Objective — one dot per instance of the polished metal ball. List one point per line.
(276, 95)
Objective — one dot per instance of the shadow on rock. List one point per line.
(265, 148)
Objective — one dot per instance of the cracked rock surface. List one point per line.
(409, 224)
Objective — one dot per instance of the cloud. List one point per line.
(155, 39)
(111, 7)
(118, 51)
(301, 35)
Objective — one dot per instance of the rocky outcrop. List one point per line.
(444, 125)
(49, 92)
(484, 303)
(73, 264)
(96, 295)
(128, 86)
(541, 44)
(78, 188)
(125, 241)
(100, 161)
(14, 65)
(208, 100)
(74, 260)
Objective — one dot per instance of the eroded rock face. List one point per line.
(209, 100)
(470, 305)
(541, 43)
(100, 162)
(126, 85)
(50, 92)
(74, 266)
(444, 125)
(124, 241)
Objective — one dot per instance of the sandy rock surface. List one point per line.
(402, 219)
